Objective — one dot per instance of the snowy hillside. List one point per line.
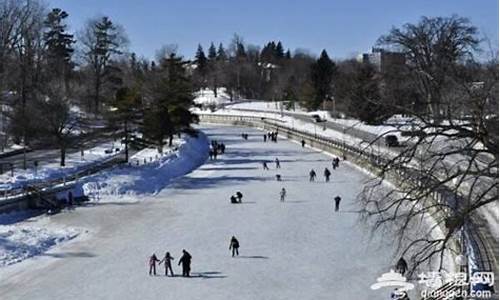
(206, 97)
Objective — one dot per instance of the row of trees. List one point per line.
(438, 52)
(74, 82)
(272, 73)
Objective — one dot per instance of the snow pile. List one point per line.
(206, 97)
(149, 178)
(20, 241)
(75, 163)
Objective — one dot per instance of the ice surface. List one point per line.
(299, 249)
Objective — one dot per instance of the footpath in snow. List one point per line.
(299, 249)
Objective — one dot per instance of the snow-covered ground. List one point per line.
(24, 235)
(129, 182)
(31, 237)
(52, 170)
(206, 97)
(299, 249)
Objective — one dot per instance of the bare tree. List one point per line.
(432, 47)
(60, 125)
(447, 171)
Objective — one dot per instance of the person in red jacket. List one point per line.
(152, 264)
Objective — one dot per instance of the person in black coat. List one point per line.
(234, 245)
(239, 195)
(337, 202)
(327, 174)
(185, 260)
(312, 175)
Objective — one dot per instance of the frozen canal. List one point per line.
(299, 249)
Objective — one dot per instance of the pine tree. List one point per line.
(171, 98)
(102, 40)
(59, 45)
(221, 53)
(201, 59)
(279, 51)
(212, 52)
(288, 55)
(201, 65)
(322, 72)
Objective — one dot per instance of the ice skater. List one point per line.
(282, 195)
(168, 264)
(185, 260)
(239, 195)
(337, 202)
(233, 199)
(234, 245)
(152, 264)
(303, 143)
(278, 166)
(312, 175)
(264, 165)
(327, 174)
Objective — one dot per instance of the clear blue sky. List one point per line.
(343, 27)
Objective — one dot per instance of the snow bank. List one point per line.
(206, 97)
(149, 178)
(26, 239)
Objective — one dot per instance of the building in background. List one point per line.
(382, 59)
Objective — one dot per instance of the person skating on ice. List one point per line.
(167, 261)
(312, 175)
(185, 260)
(282, 195)
(234, 245)
(152, 264)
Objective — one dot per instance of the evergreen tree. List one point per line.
(212, 52)
(221, 53)
(167, 112)
(288, 54)
(201, 66)
(102, 40)
(322, 72)
(279, 51)
(127, 113)
(59, 44)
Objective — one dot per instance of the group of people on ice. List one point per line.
(185, 261)
(236, 198)
(326, 172)
(276, 161)
(215, 149)
(271, 136)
